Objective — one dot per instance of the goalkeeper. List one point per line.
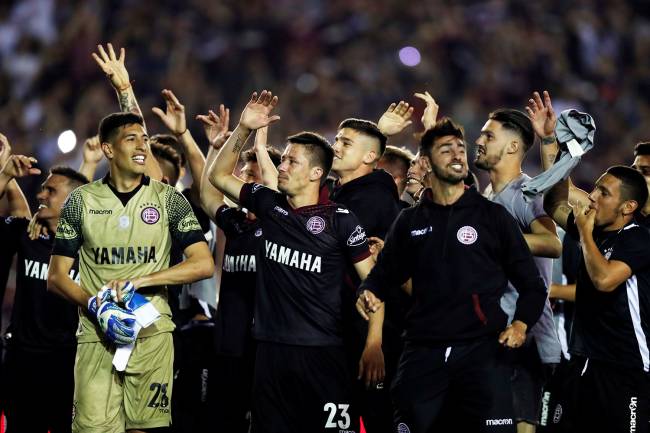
(122, 228)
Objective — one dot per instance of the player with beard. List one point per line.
(642, 165)
(501, 148)
(609, 344)
(460, 250)
(230, 383)
(301, 382)
(41, 335)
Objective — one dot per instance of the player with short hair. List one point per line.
(642, 165)
(39, 361)
(301, 380)
(502, 146)
(396, 161)
(122, 227)
(460, 250)
(609, 337)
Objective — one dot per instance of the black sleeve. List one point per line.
(392, 268)
(351, 235)
(183, 225)
(226, 218)
(10, 231)
(69, 235)
(633, 248)
(520, 267)
(378, 215)
(257, 198)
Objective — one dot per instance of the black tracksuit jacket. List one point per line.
(460, 258)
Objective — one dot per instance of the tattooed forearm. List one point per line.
(128, 103)
(242, 136)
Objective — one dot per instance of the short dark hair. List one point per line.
(168, 153)
(172, 141)
(517, 121)
(111, 123)
(74, 177)
(250, 155)
(642, 148)
(443, 127)
(320, 150)
(633, 185)
(366, 127)
(396, 155)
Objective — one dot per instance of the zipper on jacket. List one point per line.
(477, 309)
(446, 232)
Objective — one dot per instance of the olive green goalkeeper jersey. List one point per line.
(124, 236)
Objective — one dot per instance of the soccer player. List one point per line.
(122, 227)
(396, 161)
(41, 343)
(371, 194)
(608, 344)
(301, 380)
(642, 165)
(501, 148)
(460, 250)
(230, 385)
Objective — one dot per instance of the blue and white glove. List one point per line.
(116, 322)
(127, 293)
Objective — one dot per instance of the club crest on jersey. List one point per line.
(150, 215)
(403, 428)
(357, 237)
(315, 224)
(467, 235)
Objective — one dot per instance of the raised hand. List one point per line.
(5, 150)
(216, 126)
(113, 66)
(395, 119)
(92, 150)
(542, 115)
(174, 116)
(20, 166)
(257, 112)
(430, 111)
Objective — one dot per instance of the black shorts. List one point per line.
(472, 380)
(608, 398)
(39, 388)
(300, 389)
(528, 378)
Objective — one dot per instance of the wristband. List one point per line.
(549, 140)
(178, 135)
(122, 89)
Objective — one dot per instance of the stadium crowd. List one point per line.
(377, 251)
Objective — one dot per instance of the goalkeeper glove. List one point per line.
(116, 322)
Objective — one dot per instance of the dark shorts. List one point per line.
(472, 381)
(528, 377)
(608, 398)
(302, 389)
(39, 389)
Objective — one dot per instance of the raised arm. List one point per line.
(174, 119)
(543, 118)
(268, 171)
(216, 130)
(430, 111)
(15, 167)
(12, 199)
(92, 156)
(395, 119)
(116, 72)
(256, 115)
